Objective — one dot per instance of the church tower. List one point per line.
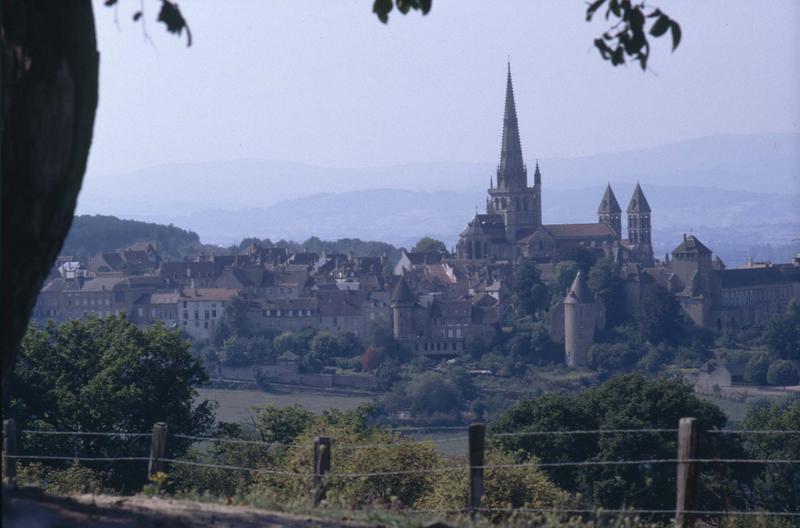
(639, 240)
(511, 197)
(609, 212)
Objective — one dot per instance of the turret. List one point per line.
(402, 304)
(580, 318)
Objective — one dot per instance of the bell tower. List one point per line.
(519, 204)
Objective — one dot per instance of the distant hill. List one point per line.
(735, 224)
(763, 162)
(92, 234)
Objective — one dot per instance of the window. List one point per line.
(184, 304)
(213, 313)
(185, 314)
(206, 315)
(197, 315)
(197, 323)
(140, 311)
(205, 324)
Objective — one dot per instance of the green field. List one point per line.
(239, 405)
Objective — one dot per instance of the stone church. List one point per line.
(512, 226)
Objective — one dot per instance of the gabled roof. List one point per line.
(207, 294)
(576, 231)
(745, 277)
(402, 293)
(638, 203)
(691, 244)
(609, 202)
(418, 258)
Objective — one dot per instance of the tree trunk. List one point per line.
(50, 67)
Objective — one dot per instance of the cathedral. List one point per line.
(512, 226)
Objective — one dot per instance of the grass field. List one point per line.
(238, 405)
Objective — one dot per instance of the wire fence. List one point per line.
(476, 467)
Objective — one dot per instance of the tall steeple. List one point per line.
(511, 173)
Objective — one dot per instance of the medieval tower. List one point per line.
(402, 304)
(580, 318)
(519, 205)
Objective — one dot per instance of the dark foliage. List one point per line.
(628, 36)
(92, 234)
(626, 402)
(106, 375)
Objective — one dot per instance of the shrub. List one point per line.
(756, 370)
(349, 492)
(783, 372)
(512, 487)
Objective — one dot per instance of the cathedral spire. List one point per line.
(511, 170)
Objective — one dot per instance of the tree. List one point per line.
(606, 284)
(613, 357)
(430, 392)
(661, 319)
(627, 402)
(580, 255)
(783, 372)
(756, 370)
(776, 487)
(326, 346)
(282, 424)
(782, 334)
(429, 245)
(107, 375)
(235, 316)
(530, 293)
(371, 359)
(565, 272)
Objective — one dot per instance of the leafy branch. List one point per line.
(628, 37)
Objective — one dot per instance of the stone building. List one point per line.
(200, 309)
(438, 326)
(512, 226)
(718, 298)
(582, 315)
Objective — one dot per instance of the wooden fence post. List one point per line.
(9, 450)
(686, 500)
(477, 443)
(158, 445)
(322, 464)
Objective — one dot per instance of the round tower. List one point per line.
(580, 318)
(402, 305)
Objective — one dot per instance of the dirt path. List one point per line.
(32, 509)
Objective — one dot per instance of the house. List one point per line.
(200, 309)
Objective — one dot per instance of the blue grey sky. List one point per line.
(325, 83)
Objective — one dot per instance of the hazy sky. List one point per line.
(325, 83)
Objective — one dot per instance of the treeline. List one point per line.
(150, 376)
(92, 234)
(354, 246)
